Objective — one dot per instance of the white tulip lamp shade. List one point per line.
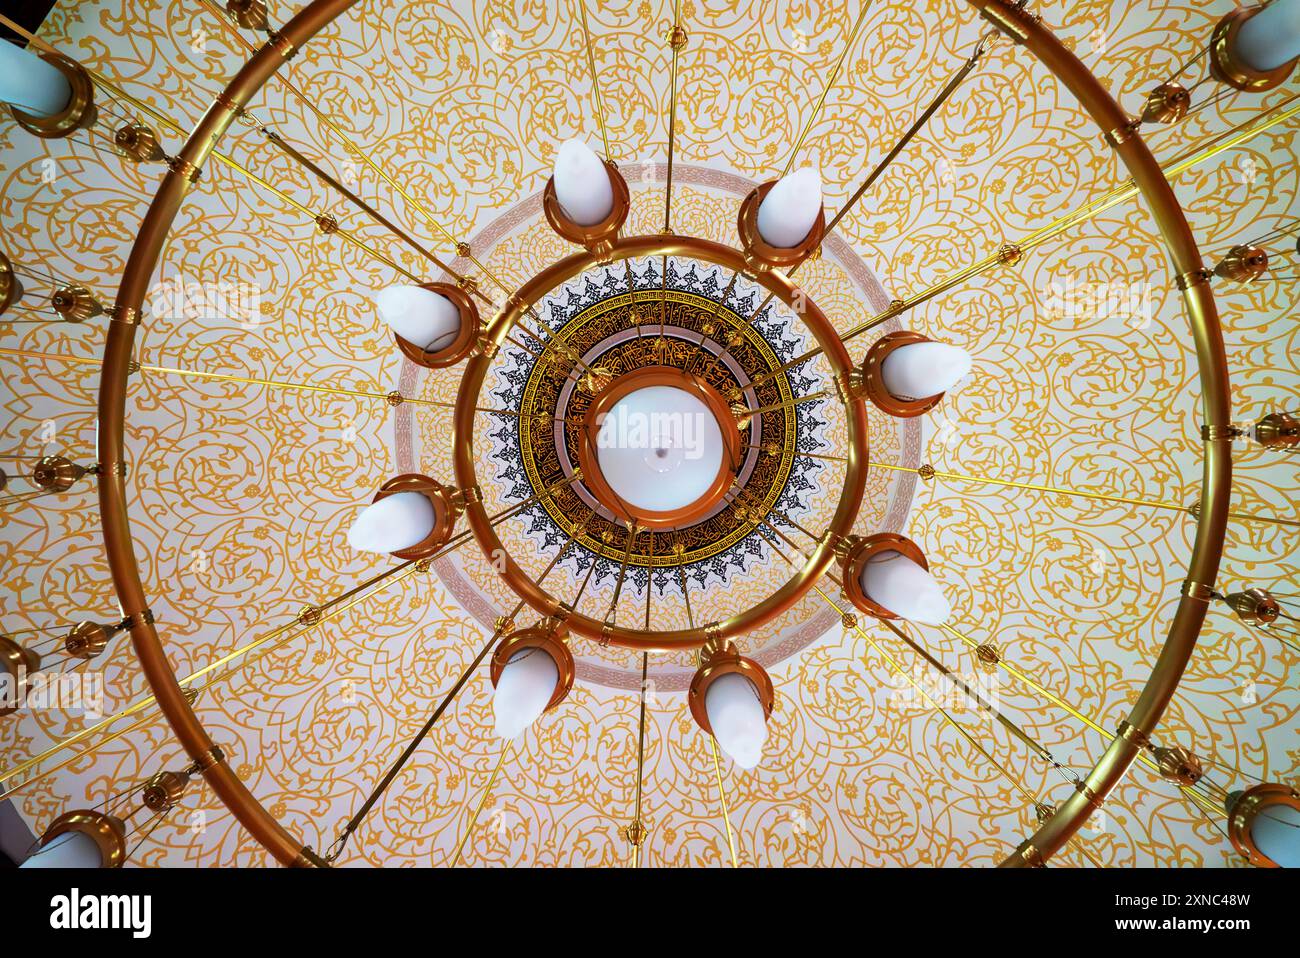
(731, 697)
(436, 325)
(1255, 48)
(661, 448)
(905, 374)
(410, 517)
(85, 838)
(586, 200)
(48, 94)
(532, 672)
(782, 223)
(887, 576)
(1264, 824)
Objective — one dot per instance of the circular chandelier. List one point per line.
(649, 408)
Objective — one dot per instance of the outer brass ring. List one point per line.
(458, 348)
(873, 381)
(760, 255)
(80, 112)
(444, 511)
(1242, 813)
(607, 398)
(538, 598)
(861, 553)
(119, 547)
(1226, 68)
(728, 661)
(598, 238)
(1216, 482)
(548, 641)
(106, 831)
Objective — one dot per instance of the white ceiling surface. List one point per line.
(849, 777)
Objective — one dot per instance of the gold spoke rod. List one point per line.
(826, 89)
(676, 40)
(1079, 493)
(595, 78)
(637, 832)
(482, 800)
(283, 633)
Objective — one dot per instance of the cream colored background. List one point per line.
(265, 482)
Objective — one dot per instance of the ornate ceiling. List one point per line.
(242, 494)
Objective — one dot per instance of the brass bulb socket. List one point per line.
(1244, 807)
(547, 639)
(598, 238)
(80, 112)
(1227, 67)
(760, 255)
(106, 831)
(723, 658)
(446, 510)
(862, 551)
(867, 380)
(466, 341)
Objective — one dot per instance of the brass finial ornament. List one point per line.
(78, 114)
(1269, 800)
(11, 289)
(1179, 765)
(88, 639)
(108, 832)
(1167, 103)
(76, 304)
(447, 507)
(1278, 430)
(1242, 264)
(17, 663)
(164, 791)
(547, 637)
(56, 473)
(249, 14)
(760, 255)
(138, 143)
(854, 555)
(866, 381)
(1226, 63)
(720, 657)
(598, 238)
(465, 341)
(1254, 606)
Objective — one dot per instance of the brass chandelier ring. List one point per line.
(1011, 19)
(541, 601)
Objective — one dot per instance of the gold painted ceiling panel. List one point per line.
(241, 494)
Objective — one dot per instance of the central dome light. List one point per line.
(665, 447)
(659, 448)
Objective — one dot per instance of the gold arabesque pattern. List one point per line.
(243, 494)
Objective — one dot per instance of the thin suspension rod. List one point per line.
(676, 40)
(1082, 494)
(830, 82)
(595, 78)
(640, 767)
(482, 799)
